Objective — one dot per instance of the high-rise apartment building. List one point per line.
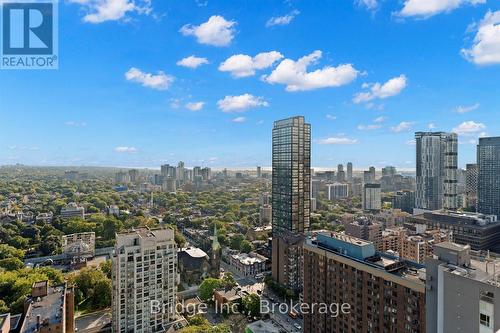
(180, 171)
(133, 175)
(291, 182)
(471, 185)
(462, 294)
(144, 274)
(371, 197)
(436, 157)
(385, 293)
(337, 191)
(488, 180)
(349, 171)
(404, 200)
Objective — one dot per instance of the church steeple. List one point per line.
(215, 256)
(215, 241)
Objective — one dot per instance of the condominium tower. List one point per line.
(291, 187)
(436, 170)
(144, 273)
(488, 182)
(384, 293)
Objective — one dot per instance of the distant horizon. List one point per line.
(215, 168)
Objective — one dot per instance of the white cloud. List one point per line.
(428, 8)
(242, 65)
(32, 148)
(465, 109)
(380, 119)
(159, 81)
(239, 120)
(369, 127)
(402, 126)
(331, 117)
(125, 149)
(99, 11)
(431, 126)
(295, 76)
(377, 90)
(192, 62)
(368, 4)
(282, 20)
(469, 128)
(411, 142)
(217, 31)
(240, 103)
(337, 141)
(195, 106)
(486, 47)
(75, 123)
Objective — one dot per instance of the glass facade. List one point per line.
(488, 185)
(437, 181)
(291, 186)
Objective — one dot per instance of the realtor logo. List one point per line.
(29, 34)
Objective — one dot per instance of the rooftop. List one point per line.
(48, 309)
(194, 252)
(364, 252)
(248, 259)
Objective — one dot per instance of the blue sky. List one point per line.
(370, 74)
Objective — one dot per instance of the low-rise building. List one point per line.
(44, 217)
(72, 210)
(259, 232)
(364, 228)
(49, 309)
(79, 245)
(411, 245)
(480, 231)
(194, 265)
(248, 264)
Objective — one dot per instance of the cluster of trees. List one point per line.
(93, 287)
(199, 324)
(238, 242)
(10, 257)
(15, 285)
(279, 289)
(209, 285)
(38, 237)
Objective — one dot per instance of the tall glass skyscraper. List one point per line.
(291, 192)
(436, 160)
(488, 180)
(291, 186)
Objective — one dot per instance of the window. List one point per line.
(484, 320)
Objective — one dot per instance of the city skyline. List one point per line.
(210, 84)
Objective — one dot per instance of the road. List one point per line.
(94, 322)
(250, 284)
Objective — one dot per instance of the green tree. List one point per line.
(50, 245)
(207, 287)
(236, 241)
(246, 246)
(251, 305)
(228, 280)
(11, 264)
(7, 251)
(106, 268)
